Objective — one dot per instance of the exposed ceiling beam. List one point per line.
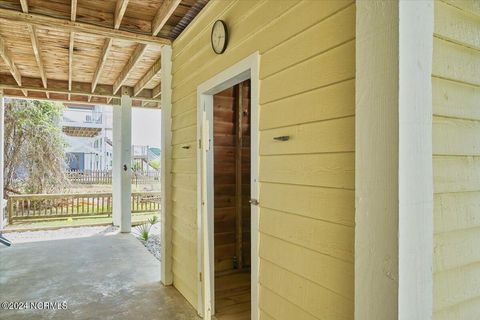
(132, 61)
(120, 9)
(147, 77)
(78, 88)
(24, 4)
(73, 17)
(156, 91)
(103, 59)
(163, 14)
(5, 54)
(38, 53)
(70, 59)
(35, 48)
(73, 13)
(80, 27)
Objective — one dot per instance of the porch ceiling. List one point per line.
(83, 51)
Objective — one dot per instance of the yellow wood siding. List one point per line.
(456, 159)
(307, 91)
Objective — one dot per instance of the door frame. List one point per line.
(245, 69)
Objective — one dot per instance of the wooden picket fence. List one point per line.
(48, 206)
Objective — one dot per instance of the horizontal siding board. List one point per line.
(307, 295)
(324, 237)
(326, 170)
(325, 103)
(321, 37)
(330, 67)
(280, 308)
(455, 286)
(185, 104)
(457, 25)
(456, 136)
(326, 136)
(455, 62)
(465, 310)
(453, 99)
(184, 120)
(456, 211)
(336, 205)
(456, 249)
(336, 275)
(469, 6)
(456, 174)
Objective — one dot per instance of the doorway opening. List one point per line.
(232, 213)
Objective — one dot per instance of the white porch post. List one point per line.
(393, 166)
(166, 166)
(2, 150)
(122, 157)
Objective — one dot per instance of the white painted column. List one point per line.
(122, 157)
(393, 166)
(166, 165)
(3, 217)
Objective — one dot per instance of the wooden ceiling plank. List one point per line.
(80, 27)
(147, 77)
(120, 9)
(163, 14)
(127, 69)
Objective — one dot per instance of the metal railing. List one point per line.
(47, 206)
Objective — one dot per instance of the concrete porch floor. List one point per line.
(100, 277)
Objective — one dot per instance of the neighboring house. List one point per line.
(87, 131)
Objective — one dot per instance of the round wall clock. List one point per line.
(219, 37)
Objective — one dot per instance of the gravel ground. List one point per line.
(153, 242)
(57, 234)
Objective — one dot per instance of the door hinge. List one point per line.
(200, 276)
(199, 143)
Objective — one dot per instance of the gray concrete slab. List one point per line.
(99, 277)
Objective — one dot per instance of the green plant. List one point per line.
(143, 231)
(153, 220)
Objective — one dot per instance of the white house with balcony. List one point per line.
(88, 134)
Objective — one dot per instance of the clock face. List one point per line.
(219, 37)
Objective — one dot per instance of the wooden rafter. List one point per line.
(103, 59)
(5, 54)
(59, 86)
(38, 54)
(73, 11)
(73, 17)
(24, 4)
(132, 61)
(163, 14)
(147, 77)
(120, 9)
(156, 91)
(80, 27)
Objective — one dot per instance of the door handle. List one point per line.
(254, 202)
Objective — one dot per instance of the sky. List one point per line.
(146, 127)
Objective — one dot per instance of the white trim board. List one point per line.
(393, 160)
(247, 68)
